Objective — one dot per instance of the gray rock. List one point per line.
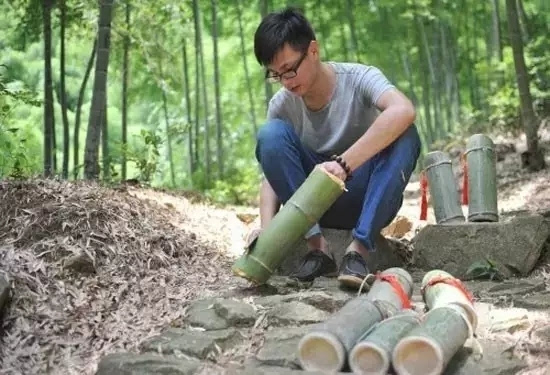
(325, 301)
(516, 287)
(4, 294)
(296, 313)
(272, 370)
(387, 252)
(495, 361)
(543, 333)
(195, 343)
(514, 246)
(536, 301)
(280, 347)
(202, 314)
(236, 313)
(145, 364)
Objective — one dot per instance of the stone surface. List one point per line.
(320, 299)
(536, 301)
(513, 245)
(280, 345)
(236, 313)
(201, 313)
(144, 364)
(543, 333)
(296, 312)
(509, 320)
(516, 287)
(273, 370)
(196, 343)
(387, 254)
(495, 361)
(4, 294)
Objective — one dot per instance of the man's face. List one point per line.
(294, 69)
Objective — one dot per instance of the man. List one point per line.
(348, 118)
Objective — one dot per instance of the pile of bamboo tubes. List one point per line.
(380, 331)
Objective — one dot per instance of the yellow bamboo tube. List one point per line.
(442, 294)
(428, 348)
(325, 348)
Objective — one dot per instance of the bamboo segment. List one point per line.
(442, 294)
(428, 348)
(443, 189)
(306, 206)
(482, 180)
(326, 346)
(372, 353)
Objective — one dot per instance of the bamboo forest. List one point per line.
(184, 95)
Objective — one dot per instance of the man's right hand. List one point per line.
(252, 236)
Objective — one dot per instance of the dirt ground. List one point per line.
(95, 269)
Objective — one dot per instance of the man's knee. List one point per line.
(272, 137)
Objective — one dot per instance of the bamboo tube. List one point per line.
(326, 346)
(306, 206)
(443, 189)
(428, 348)
(442, 294)
(482, 179)
(372, 353)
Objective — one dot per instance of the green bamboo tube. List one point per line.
(443, 190)
(442, 294)
(372, 353)
(306, 206)
(325, 348)
(428, 348)
(482, 179)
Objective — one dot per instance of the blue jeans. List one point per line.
(375, 193)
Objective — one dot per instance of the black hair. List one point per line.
(278, 28)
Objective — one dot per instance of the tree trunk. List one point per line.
(345, 50)
(264, 9)
(81, 94)
(322, 28)
(49, 122)
(246, 73)
(351, 21)
(105, 143)
(197, 80)
(63, 93)
(219, 130)
(167, 124)
(125, 69)
(535, 158)
(496, 37)
(187, 90)
(91, 165)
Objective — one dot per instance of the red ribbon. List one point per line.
(451, 281)
(424, 198)
(396, 285)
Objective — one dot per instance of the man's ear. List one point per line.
(314, 48)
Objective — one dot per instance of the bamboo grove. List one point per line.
(169, 92)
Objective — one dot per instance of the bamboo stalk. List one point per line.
(306, 206)
(443, 189)
(482, 184)
(442, 294)
(372, 353)
(428, 348)
(325, 348)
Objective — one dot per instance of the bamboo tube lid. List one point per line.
(321, 351)
(369, 359)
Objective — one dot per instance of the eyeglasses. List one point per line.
(273, 77)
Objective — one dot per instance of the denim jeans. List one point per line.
(375, 193)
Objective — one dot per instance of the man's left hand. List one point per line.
(335, 169)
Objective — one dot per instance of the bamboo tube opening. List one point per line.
(321, 351)
(369, 359)
(416, 355)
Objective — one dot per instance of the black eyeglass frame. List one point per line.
(273, 77)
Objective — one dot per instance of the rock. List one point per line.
(398, 228)
(387, 252)
(272, 370)
(495, 361)
(280, 346)
(536, 301)
(236, 313)
(514, 245)
(516, 287)
(295, 312)
(140, 364)
(543, 333)
(202, 314)
(320, 299)
(4, 294)
(191, 342)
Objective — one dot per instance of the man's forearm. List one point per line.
(269, 203)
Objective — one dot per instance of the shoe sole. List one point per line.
(352, 281)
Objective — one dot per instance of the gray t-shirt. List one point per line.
(349, 113)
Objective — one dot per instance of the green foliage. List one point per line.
(483, 270)
(145, 154)
(240, 187)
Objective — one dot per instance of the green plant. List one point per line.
(484, 270)
(146, 154)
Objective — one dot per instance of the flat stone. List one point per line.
(513, 245)
(4, 294)
(191, 342)
(236, 313)
(536, 301)
(387, 252)
(296, 313)
(516, 287)
(142, 364)
(325, 301)
(495, 361)
(280, 347)
(201, 313)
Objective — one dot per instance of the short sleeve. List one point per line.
(372, 83)
(275, 109)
